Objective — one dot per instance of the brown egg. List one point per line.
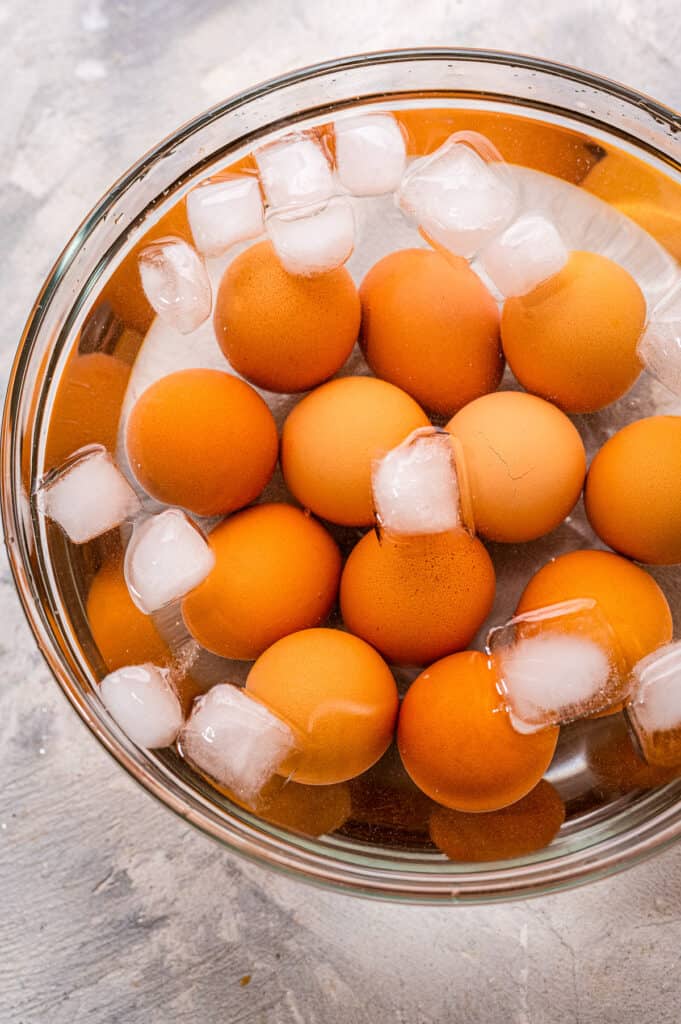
(331, 439)
(620, 177)
(630, 599)
(202, 439)
(430, 326)
(457, 743)
(525, 464)
(528, 825)
(87, 406)
(284, 332)
(123, 292)
(633, 491)
(520, 140)
(276, 571)
(573, 338)
(125, 635)
(337, 692)
(416, 599)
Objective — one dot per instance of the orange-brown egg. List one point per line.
(573, 338)
(126, 636)
(430, 326)
(630, 599)
(331, 438)
(633, 491)
(276, 571)
(520, 140)
(339, 694)
(457, 743)
(514, 831)
(640, 192)
(202, 439)
(123, 293)
(281, 331)
(87, 406)
(419, 598)
(525, 464)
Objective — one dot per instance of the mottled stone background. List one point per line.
(111, 910)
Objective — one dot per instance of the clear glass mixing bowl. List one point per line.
(592, 843)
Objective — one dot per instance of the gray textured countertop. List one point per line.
(111, 909)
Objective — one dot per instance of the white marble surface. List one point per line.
(111, 909)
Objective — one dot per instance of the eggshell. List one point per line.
(633, 491)
(572, 340)
(430, 326)
(416, 599)
(202, 439)
(87, 406)
(457, 743)
(631, 600)
(281, 331)
(276, 571)
(339, 694)
(331, 438)
(525, 464)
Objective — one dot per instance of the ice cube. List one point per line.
(557, 664)
(654, 708)
(416, 486)
(88, 495)
(659, 348)
(176, 283)
(370, 154)
(142, 701)
(586, 222)
(315, 241)
(235, 740)
(166, 558)
(222, 213)
(294, 171)
(525, 254)
(461, 195)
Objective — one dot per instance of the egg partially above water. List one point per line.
(331, 439)
(418, 598)
(337, 692)
(525, 464)
(573, 338)
(430, 326)
(633, 490)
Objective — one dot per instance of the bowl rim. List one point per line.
(266, 847)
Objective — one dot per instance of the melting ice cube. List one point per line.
(166, 558)
(654, 708)
(586, 222)
(142, 701)
(557, 664)
(314, 242)
(88, 495)
(235, 740)
(176, 283)
(222, 213)
(458, 196)
(660, 346)
(370, 154)
(525, 254)
(294, 171)
(416, 486)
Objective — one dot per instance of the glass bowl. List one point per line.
(596, 840)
